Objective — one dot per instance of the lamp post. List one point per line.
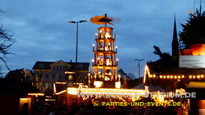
(139, 60)
(76, 54)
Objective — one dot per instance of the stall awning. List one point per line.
(198, 88)
(150, 87)
(197, 85)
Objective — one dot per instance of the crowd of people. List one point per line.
(90, 109)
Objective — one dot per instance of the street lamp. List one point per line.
(139, 60)
(76, 55)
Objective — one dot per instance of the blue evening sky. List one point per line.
(43, 34)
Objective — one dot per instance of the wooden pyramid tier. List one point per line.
(105, 63)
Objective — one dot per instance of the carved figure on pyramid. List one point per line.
(108, 61)
(101, 47)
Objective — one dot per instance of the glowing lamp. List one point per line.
(119, 76)
(160, 76)
(198, 49)
(72, 91)
(116, 48)
(93, 61)
(93, 47)
(36, 94)
(117, 85)
(98, 84)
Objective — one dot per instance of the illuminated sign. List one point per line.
(192, 61)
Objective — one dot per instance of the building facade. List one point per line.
(55, 72)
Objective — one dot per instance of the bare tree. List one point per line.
(6, 41)
(38, 83)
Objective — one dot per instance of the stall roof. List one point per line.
(150, 87)
(196, 85)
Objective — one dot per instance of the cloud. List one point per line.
(43, 33)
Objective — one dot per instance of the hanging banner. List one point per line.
(192, 61)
